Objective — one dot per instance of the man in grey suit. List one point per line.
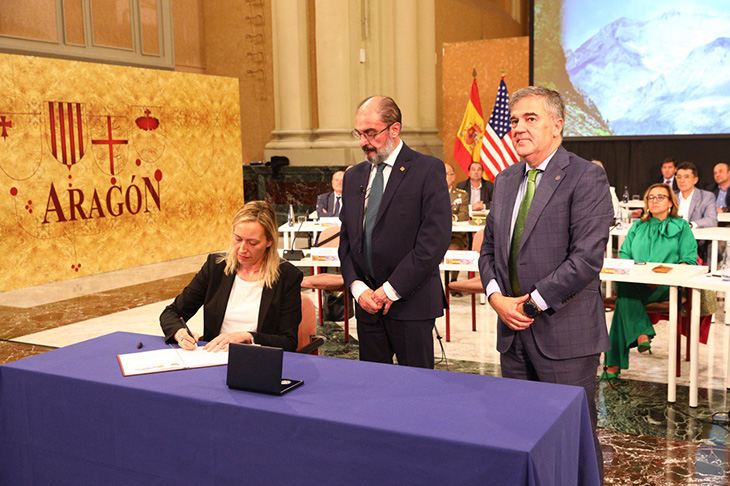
(696, 205)
(543, 250)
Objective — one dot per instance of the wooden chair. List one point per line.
(473, 286)
(309, 342)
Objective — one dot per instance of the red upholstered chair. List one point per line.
(473, 286)
(309, 342)
(659, 311)
(329, 281)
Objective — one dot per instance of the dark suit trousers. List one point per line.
(410, 341)
(524, 361)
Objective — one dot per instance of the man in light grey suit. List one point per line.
(696, 205)
(543, 250)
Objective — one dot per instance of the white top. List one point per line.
(242, 312)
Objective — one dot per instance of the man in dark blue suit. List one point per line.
(396, 227)
(329, 203)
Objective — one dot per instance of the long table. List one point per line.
(313, 228)
(702, 282)
(68, 416)
(677, 277)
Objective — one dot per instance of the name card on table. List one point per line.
(461, 257)
(324, 254)
(330, 221)
(617, 266)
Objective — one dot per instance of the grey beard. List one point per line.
(381, 154)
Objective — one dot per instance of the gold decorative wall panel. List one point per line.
(107, 167)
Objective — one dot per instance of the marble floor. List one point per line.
(645, 440)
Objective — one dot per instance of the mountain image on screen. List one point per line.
(668, 75)
(582, 117)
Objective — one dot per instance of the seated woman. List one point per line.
(660, 236)
(249, 295)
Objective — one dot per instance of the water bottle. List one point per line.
(626, 194)
(290, 215)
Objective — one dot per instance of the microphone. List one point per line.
(294, 255)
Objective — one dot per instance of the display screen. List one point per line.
(636, 67)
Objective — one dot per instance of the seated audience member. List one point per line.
(329, 203)
(697, 206)
(248, 294)
(479, 189)
(669, 169)
(659, 236)
(721, 172)
(612, 191)
(459, 212)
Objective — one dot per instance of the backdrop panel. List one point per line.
(492, 59)
(107, 167)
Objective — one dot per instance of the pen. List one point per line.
(187, 328)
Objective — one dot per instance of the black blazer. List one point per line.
(486, 191)
(715, 189)
(411, 234)
(279, 314)
(660, 180)
(326, 205)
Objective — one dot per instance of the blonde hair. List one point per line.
(263, 213)
(673, 212)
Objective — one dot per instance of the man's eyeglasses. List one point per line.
(369, 135)
(658, 198)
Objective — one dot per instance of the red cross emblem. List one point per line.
(5, 125)
(110, 141)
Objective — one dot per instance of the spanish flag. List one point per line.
(467, 148)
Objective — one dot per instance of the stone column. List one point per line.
(335, 58)
(414, 72)
(291, 78)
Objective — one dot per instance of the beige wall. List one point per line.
(469, 20)
(237, 42)
(234, 38)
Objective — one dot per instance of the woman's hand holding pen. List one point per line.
(186, 340)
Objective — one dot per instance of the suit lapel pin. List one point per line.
(402, 169)
(557, 177)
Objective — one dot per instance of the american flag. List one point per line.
(498, 153)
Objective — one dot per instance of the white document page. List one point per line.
(169, 359)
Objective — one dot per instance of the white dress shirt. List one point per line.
(476, 194)
(684, 205)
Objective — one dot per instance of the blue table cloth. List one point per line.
(68, 416)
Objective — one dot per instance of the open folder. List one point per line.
(169, 359)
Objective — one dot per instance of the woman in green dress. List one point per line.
(660, 236)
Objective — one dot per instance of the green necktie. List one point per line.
(514, 250)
